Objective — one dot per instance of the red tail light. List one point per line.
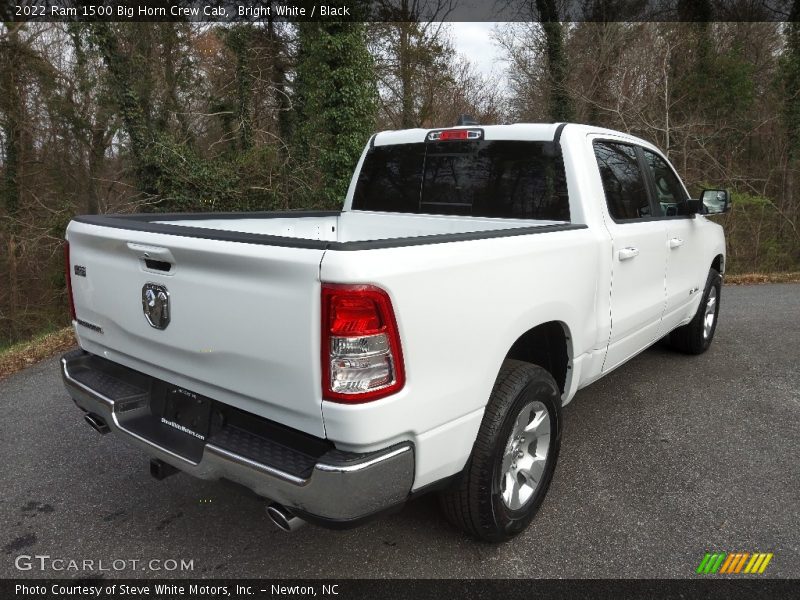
(68, 278)
(453, 134)
(361, 355)
(450, 135)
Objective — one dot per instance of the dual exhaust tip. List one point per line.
(97, 423)
(283, 518)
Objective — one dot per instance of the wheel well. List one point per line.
(545, 345)
(718, 264)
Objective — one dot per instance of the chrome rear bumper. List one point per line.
(341, 487)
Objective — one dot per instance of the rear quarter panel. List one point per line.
(460, 306)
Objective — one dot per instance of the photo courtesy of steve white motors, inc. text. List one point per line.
(172, 590)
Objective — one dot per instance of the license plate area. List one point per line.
(187, 412)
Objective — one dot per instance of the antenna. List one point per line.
(466, 120)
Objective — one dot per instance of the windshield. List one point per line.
(504, 179)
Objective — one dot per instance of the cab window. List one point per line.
(623, 181)
(670, 195)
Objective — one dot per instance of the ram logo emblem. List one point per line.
(155, 304)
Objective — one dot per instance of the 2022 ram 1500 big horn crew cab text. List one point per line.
(425, 337)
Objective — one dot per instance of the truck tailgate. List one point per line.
(243, 317)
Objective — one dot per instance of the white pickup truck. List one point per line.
(423, 338)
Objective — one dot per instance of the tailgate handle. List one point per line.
(153, 258)
(157, 265)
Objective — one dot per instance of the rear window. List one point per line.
(507, 179)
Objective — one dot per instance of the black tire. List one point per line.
(475, 503)
(691, 338)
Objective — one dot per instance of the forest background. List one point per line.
(123, 117)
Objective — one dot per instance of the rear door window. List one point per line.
(623, 181)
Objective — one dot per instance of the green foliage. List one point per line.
(758, 237)
(238, 39)
(745, 201)
(191, 183)
(170, 171)
(185, 181)
(12, 55)
(238, 116)
(790, 77)
(560, 108)
(731, 91)
(335, 106)
(719, 84)
(123, 77)
(335, 102)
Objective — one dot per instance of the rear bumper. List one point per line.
(334, 488)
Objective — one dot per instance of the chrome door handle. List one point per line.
(675, 243)
(628, 253)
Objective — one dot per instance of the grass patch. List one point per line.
(751, 278)
(24, 354)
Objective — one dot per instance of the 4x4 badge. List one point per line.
(155, 304)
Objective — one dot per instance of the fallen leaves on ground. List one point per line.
(750, 278)
(25, 354)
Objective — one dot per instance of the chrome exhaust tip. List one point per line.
(97, 423)
(283, 517)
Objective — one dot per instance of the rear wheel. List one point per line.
(514, 456)
(696, 336)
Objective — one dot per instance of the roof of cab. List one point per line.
(515, 131)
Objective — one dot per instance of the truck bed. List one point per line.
(243, 293)
(350, 230)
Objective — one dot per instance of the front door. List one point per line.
(683, 241)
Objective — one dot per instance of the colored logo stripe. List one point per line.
(703, 563)
(758, 563)
(726, 565)
(734, 562)
(711, 562)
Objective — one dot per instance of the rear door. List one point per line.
(639, 252)
(243, 318)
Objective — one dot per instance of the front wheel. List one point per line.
(514, 457)
(696, 336)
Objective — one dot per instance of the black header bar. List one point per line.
(392, 10)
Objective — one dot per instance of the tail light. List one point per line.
(68, 278)
(361, 355)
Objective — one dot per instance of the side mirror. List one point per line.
(715, 202)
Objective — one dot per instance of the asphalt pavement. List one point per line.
(668, 457)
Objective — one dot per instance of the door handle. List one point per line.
(675, 243)
(628, 253)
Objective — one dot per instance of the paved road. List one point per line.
(665, 458)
